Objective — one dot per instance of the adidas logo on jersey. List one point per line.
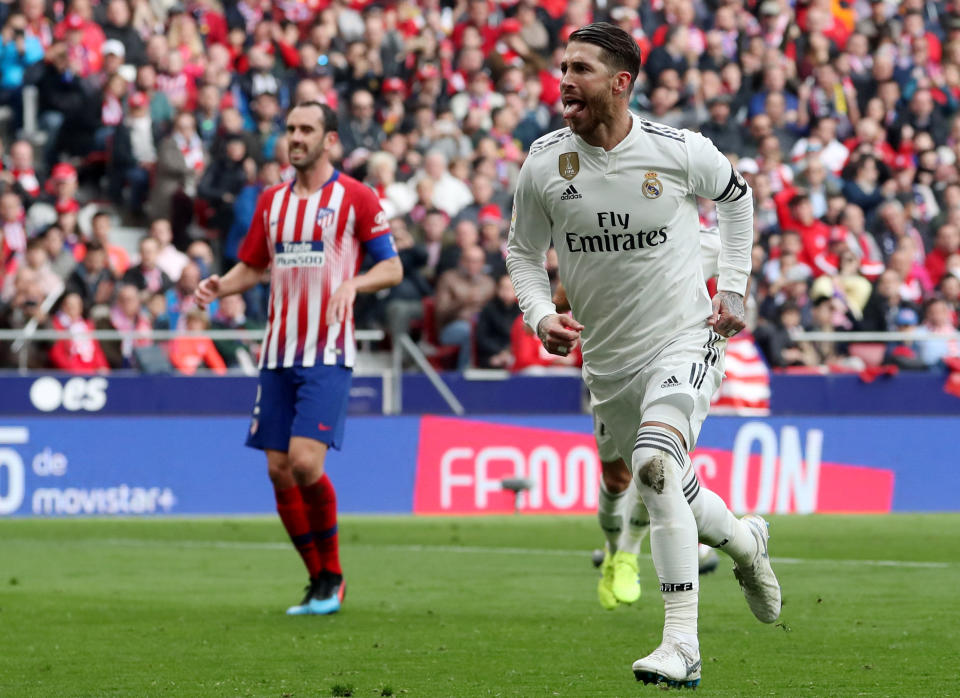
(671, 382)
(570, 193)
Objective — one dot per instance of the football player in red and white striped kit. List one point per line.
(312, 234)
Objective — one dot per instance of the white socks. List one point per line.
(717, 525)
(657, 461)
(610, 510)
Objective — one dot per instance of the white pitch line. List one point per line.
(460, 549)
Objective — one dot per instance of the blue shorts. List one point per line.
(300, 401)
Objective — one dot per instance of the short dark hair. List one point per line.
(330, 122)
(620, 50)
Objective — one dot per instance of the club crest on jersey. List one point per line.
(652, 187)
(325, 217)
(569, 164)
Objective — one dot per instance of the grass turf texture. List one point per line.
(459, 607)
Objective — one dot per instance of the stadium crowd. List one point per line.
(168, 118)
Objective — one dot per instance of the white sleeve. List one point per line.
(712, 176)
(527, 246)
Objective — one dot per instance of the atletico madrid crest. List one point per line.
(325, 217)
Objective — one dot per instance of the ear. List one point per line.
(330, 138)
(621, 83)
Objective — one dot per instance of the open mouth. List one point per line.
(573, 107)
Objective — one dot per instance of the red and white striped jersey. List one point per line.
(312, 245)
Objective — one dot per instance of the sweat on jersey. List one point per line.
(312, 245)
(626, 229)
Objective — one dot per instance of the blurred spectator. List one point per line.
(915, 282)
(180, 299)
(461, 294)
(404, 302)
(170, 260)
(126, 315)
(880, 313)
(847, 287)
(938, 320)
(776, 340)
(12, 217)
(824, 312)
(147, 277)
(396, 198)
(222, 182)
(949, 290)
(22, 178)
(117, 257)
(494, 326)
(37, 260)
(22, 308)
(92, 280)
(359, 129)
(466, 234)
(62, 261)
(232, 315)
(118, 27)
(187, 354)
(725, 133)
(492, 241)
(80, 353)
(63, 99)
(450, 195)
(18, 52)
(180, 164)
(133, 155)
(201, 254)
(946, 243)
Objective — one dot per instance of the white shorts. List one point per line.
(685, 375)
(606, 448)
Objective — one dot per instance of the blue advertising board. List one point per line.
(114, 466)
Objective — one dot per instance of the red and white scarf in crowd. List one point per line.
(126, 324)
(27, 179)
(14, 236)
(192, 151)
(111, 113)
(81, 343)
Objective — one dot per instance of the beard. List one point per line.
(308, 159)
(595, 110)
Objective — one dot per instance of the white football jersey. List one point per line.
(626, 228)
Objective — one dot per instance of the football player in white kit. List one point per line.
(621, 513)
(616, 196)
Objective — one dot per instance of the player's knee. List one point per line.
(650, 470)
(278, 469)
(657, 458)
(306, 467)
(616, 476)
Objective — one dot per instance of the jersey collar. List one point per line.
(627, 141)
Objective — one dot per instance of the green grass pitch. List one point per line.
(460, 607)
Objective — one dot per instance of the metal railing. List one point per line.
(391, 373)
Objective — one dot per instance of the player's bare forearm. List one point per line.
(240, 278)
(383, 274)
(237, 280)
